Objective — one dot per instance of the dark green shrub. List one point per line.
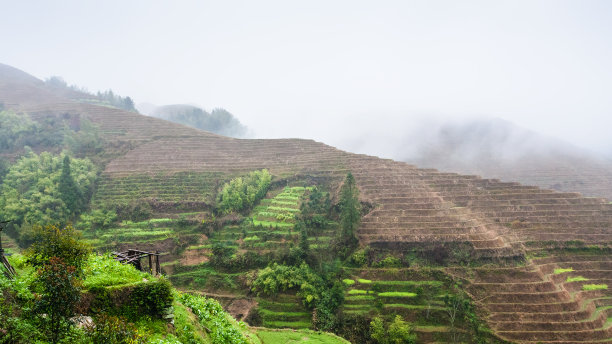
(152, 298)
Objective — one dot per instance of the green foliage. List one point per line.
(389, 262)
(153, 297)
(97, 219)
(397, 332)
(30, 192)
(59, 285)
(576, 279)
(350, 217)
(59, 256)
(16, 131)
(561, 270)
(359, 257)
(276, 278)
(113, 330)
(68, 189)
(326, 307)
(349, 204)
(211, 314)
(15, 324)
(242, 193)
(55, 242)
(595, 287)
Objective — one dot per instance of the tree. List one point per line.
(398, 332)
(59, 256)
(69, 191)
(457, 308)
(350, 214)
(60, 288)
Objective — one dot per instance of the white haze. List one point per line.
(364, 76)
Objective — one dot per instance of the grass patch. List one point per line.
(397, 294)
(104, 271)
(348, 281)
(303, 336)
(287, 324)
(576, 279)
(359, 292)
(410, 283)
(561, 270)
(595, 287)
(364, 281)
(359, 297)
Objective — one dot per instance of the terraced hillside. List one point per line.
(483, 231)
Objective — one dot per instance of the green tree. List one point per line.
(69, 190)
(59, 256)
(398, 332)
(60, 290)
(349, 203)
(64, 243)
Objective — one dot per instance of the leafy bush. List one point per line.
(63, 243)
(277, 278)
(211, 314)
(389, 262)
(242, 193)
(153, 297)
(397, 332)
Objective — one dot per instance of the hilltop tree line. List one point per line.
(218, 121)
(107, 97)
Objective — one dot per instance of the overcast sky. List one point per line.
(322, 69)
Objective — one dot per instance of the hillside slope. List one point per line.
(494, 222)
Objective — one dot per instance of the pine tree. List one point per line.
(69, 191)
(349, 203)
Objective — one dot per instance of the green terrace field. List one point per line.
(180, 187)
(303, 336)
(283, 311)
(280, 210)
(162, 234)
(416, 296)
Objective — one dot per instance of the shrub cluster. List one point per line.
(243, 192)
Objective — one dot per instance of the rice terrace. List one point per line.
(362, 195)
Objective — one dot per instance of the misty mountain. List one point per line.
(218, 121)
(496, 148)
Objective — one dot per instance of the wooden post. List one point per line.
(157, 267)
(151, 264)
